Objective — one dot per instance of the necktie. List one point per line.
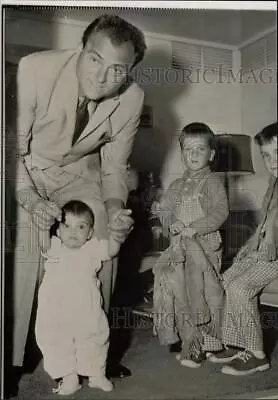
(82, 118)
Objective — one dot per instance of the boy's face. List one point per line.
(75, 230)
(269, 154)
(196, 152)
(103, 67)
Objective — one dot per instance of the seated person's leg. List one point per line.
(241, 326)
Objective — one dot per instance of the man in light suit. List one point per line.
(54, 167)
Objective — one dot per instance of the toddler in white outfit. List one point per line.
(72, 330)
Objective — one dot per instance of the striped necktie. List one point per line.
(82, 119)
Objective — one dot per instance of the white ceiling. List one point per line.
(231, 27)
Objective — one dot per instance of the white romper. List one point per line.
(72, 330)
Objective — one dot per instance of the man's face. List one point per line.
(103, 67)
(196, 152)
(269, 154)
(75, 230)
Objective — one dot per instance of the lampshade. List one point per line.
(233, 154)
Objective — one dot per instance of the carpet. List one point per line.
(156, 374)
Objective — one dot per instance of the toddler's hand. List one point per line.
(189, 232)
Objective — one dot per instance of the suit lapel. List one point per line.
(103, 111)
(67, 89)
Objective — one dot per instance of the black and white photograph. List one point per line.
(139, 200)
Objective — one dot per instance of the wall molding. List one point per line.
(150, 35)
(258, 36)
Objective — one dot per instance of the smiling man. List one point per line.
(77, 116)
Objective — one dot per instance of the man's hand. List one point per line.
(176, 228)
(121, 224)
(189, 232)
(44, 213)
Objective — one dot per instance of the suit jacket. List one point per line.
(269, 216)
(47, 98)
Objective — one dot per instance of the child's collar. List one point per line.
(199, 173)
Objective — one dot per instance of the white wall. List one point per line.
(216, 104)
(226, 107)
(42, 32)
(178, 100)
(258, 109)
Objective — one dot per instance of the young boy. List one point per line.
(255, 266)
(197, 206)
(71, 326)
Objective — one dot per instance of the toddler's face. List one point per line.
(196, 152)
(75, 230)
(269, 154)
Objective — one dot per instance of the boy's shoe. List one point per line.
(244, 364)
(193, 361)
(100, 382)
(145, 308)
(223, 356)
(68, 385)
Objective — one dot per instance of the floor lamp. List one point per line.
(233, 157)
(234, 160)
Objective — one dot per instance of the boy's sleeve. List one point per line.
(216, 212)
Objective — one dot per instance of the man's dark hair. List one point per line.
(267, 134)
(119, 31)
(198, 129)
(77, 208)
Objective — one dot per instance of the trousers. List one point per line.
(243, 282)
(24, 261)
